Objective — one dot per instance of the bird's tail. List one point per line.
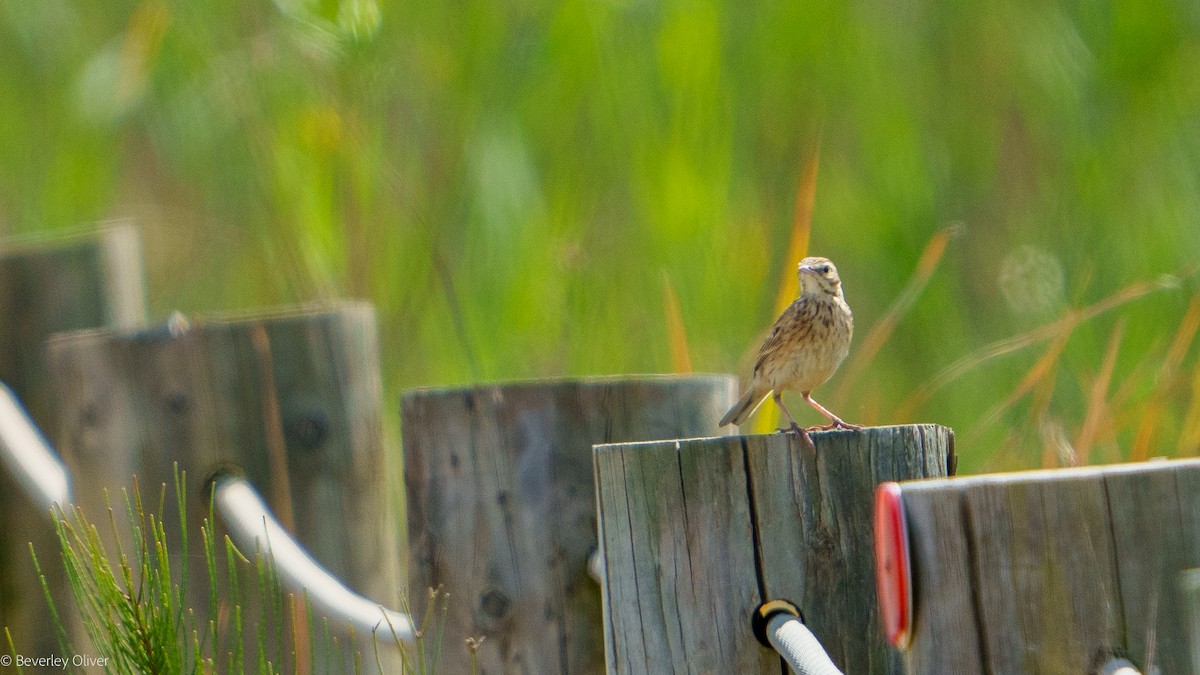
(745, 406)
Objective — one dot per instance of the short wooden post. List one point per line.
(86, 278)
(698, 533)
(292, 398)
(501, 511)
(1052, 571)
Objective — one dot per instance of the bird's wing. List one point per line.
(781, 332)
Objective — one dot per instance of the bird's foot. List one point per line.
(837, 423)
(799, 431)
(792, 428)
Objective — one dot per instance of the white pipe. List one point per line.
(252, 526)
(1118, 666)
(29, 458)
(798, 646)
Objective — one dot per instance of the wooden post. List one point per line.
(87, 278)
(698, 533)
(501, 510)
(293, 399)
(1052, 571)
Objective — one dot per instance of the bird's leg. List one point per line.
(778, 396)
(835, 421)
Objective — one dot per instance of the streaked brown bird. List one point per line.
(806, 345)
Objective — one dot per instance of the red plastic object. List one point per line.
(893, 570)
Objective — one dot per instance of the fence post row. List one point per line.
(292, 399)
(82, 279)
(513, 489)
(501, 508)
(698, 533)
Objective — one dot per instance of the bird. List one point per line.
(808, 342)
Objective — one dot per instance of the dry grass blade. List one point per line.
(677, 342)
(1182, 343)
(1070, 319)
(1043, 395)
(1042, 370)
(1144, 437)
(806, 196)
(1097, 408)
(789, 287)
(1166, 380)
(882, 331)
(1189, 434)
(1129, 383)
(1167, 377)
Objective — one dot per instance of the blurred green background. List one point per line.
(514, 184)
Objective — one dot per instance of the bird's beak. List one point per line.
(805, 269)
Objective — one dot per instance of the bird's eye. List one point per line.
(824, 269)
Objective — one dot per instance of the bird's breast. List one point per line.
(820, 333)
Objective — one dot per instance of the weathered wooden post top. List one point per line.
(88, 277)
(698, 533)
(1052, 571)
(501, 509)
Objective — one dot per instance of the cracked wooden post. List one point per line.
(86, 278)
(698, 533)
(501, 507)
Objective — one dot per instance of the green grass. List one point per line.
(511, 184)
(129, 579)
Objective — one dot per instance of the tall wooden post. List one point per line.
(293, 399)
(501, 507)
(698, 533)
(86, 278)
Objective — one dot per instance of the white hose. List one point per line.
(251, 526)
(1119, 666)
(29, 458)
(798, 646)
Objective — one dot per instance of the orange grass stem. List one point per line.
(883, 329)
(1069, 320)
(677, 342)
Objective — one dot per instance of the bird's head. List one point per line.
(818, 276)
